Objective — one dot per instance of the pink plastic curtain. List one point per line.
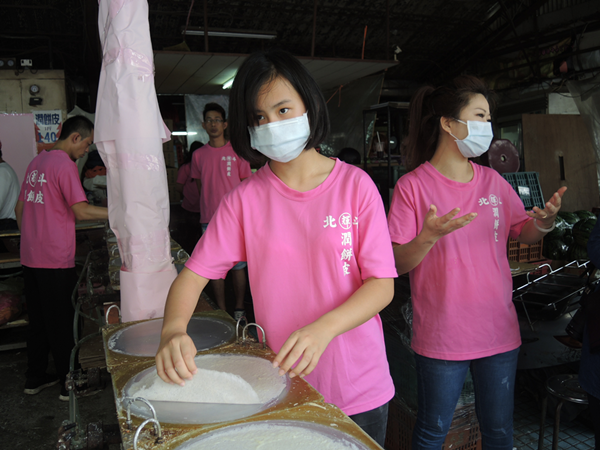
(129, 134)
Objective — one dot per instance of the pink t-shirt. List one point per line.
(220, 170)
(462, 290)
(51, 186)
(307, 253)
(191, 196)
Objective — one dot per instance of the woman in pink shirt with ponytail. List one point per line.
(314, 233)
(463, 315)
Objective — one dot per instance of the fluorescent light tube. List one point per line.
(234, 34)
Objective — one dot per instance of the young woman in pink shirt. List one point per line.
(463, 315)
(185, 217)
(314, 233)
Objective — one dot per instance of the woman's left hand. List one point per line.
(307, 343)
(546, 216)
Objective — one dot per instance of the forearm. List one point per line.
(91, 212)
(409, 255)
(368, 300)
(181, 301)
(199, 185)
(544, 218)
(19, 212)
(530, 234)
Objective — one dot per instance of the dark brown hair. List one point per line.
(428, 105)
(257, 71)
(214, 107)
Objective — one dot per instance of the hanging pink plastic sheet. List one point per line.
(129, 134)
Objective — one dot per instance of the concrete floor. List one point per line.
(31, 422)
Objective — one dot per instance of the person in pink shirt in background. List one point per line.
(314, 233)
(51, 199)
(188, 213)
(461, 285)
(217, 170)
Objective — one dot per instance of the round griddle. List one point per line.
(258, 372)
(266, 434)
(143, 339)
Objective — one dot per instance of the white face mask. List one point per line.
(477, 141)
(283, 140)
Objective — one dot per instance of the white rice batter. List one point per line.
(258, 372)
(236, 379)
(206, 386)
(269, 437)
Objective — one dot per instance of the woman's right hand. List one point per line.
(435, 227)
(175, 358)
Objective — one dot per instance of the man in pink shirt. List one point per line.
(51, 199)
(217, 170)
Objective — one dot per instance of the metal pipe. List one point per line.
(314, 31)
(206, 26)
(512, 25)
(364, 41)
(387, 30)
(549, 59)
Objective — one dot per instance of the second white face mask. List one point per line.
(477, 141)
(283, 140)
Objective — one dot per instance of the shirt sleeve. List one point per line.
(376, 256)
(222, 245)
(402, 218)
(70, 185)
(244, 168)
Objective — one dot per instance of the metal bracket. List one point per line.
(157, 431)
(108, 311)
(130, 401)
(264, 336)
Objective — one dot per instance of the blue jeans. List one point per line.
(440, 383)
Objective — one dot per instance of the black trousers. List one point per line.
(48, 296)
(373, 422)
